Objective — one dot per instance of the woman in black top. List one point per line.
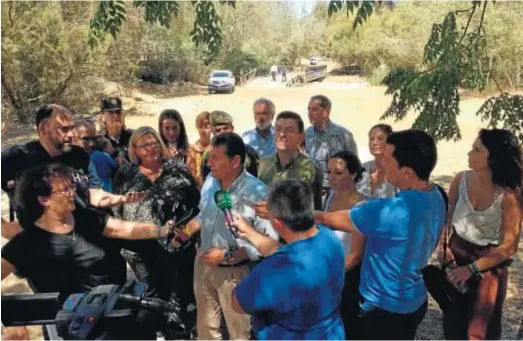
(167, 268)
(65, 248)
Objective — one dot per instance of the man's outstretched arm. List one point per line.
(339, 220)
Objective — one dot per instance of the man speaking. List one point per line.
(295, 292)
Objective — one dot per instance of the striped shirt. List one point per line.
(320, 145)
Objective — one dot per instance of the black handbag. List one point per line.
(435, 277)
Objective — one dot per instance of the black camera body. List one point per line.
(106, 312)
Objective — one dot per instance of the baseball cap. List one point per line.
(110, 104)
(220, 117)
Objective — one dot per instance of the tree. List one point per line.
(454, 58)
(207, 26)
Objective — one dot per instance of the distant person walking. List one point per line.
(283, 74)
(274, 71)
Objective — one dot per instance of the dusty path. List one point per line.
(357, 106)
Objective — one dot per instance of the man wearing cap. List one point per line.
(113, 126)
(222, 122)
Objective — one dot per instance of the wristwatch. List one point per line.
(227, 257)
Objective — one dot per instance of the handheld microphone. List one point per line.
(224, 202)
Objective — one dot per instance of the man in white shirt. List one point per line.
(274, 71)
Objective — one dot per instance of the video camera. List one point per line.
(106, 312)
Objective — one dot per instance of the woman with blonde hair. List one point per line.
(166, 267)
(196, 150)
(373, 183)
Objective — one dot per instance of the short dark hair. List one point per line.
(85, 122)
(504, 158)
(414, 149)
(233, 144)
(387, 129)
(291, 115)
(45, 112)
(325, 102)
(171, 114)
(352, 162)
(292, 202)
(34, 183)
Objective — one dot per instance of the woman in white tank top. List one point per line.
(485, 219)
(344, 172)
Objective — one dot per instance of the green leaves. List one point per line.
(207, 30)
(207, 27)
(107, 19)
(158, 11)
(504, 109)
(365, 9)
(450, 61)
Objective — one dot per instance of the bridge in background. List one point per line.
(296, 76)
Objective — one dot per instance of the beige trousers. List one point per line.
(213, 288)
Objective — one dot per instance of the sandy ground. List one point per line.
(357, 106)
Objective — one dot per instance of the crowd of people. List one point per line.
(319, 245)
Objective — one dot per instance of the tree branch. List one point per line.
(465, 10)
(11, 13)
(10, 94)
(491, 75)
(468, 22)
(482, 16)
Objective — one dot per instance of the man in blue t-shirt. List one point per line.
(401, 234)
(295, 292)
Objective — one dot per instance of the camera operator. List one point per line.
(295, 292)
(67, 247)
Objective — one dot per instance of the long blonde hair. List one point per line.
(138, 134)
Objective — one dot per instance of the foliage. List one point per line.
(505, 109)
(206, 32)
(454, 57)
(44, 54)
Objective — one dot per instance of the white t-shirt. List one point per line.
(344, 237)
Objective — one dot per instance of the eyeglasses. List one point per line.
(87, 139)
(68, 190)
(285, 131)
(148, 145)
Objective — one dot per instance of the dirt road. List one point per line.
(357, 106)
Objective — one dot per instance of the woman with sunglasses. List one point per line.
(65, 247)
(167, 268)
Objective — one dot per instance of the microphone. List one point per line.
(224, 202)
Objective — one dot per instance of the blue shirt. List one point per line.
(322, 144)
(263, 146)
(295, 293)
(244, 191)
(402, 233)
(105, 168)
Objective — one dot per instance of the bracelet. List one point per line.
(187, 231)
(473, 268)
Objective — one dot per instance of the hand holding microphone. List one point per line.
(224, 202)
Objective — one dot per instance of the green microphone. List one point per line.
(224, 202)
